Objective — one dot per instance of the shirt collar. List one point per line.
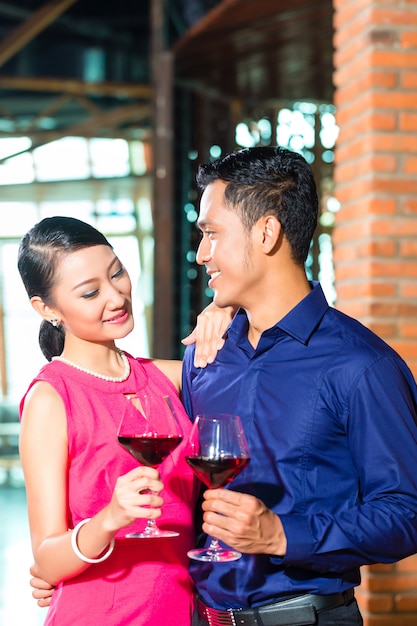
(300, 323)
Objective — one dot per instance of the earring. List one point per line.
(55, 322)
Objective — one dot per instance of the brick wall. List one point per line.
(375, 239)
(376, 167)
(388, 594)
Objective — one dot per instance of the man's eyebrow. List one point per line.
(204, 223)
(93, 278)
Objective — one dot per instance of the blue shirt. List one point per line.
(329, 411)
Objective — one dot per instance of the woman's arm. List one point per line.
(208, 338)
(172, 370)
(44, 456)
(208, 333)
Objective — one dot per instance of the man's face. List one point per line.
(226, 250)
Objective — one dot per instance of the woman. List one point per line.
(77, 475)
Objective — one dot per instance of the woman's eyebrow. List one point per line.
(93, 278)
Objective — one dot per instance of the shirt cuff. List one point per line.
(300, 543)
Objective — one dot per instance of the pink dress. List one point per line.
(145, 581)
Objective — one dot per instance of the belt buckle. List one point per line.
(215, 617)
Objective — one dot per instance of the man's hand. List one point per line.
(243, 522)
(208, 333)
(42, 590)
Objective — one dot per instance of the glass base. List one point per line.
(219, 555)
(156, 533)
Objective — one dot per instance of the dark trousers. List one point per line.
(340, 616)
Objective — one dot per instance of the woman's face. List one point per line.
(92, 295)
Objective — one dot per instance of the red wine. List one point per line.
(150, 449)
(216, 472)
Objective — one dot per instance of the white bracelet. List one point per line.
(76, 549)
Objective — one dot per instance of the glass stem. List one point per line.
(150, 526)
(214, 545)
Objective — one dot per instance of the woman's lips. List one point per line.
(120, 318)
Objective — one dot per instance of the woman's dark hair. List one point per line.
(39, 255)
(269, 181)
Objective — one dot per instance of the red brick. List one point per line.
(408, 249)
(389, 620)
(393, 141)
(408, 565)
(375, 205)
(394, 16)
(390, 59)
(359, 310)
(366, 289)
(380, 603)
(365, 122)
(409, 290)
(398, 100)
(389, 268)
(409, 80)
(378, 568)
(410, 165)
(386, 163)
(408, 120)
(407, 350)
(406, 602)
(408, 331)
(391, 583)
(409, 39)
(409, 206)
(351, 28)
(371, 185)
(386, 331)
(374, 602)
(392, 309)
(361, 229)
(344, 12)
(399, 227)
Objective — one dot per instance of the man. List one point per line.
(329, 411)
(328, 408)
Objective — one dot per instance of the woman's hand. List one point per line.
(135, 496)
(211, 325)
(42, 590)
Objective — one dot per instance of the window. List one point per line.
(93, 182)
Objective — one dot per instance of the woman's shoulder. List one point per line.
(48, 386)
(41, 407)
(171, 369)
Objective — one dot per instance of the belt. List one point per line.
(298, 611)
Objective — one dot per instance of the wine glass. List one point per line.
(219, 452)
(149, 431)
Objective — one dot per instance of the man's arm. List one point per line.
(378, 522)
(243, 522)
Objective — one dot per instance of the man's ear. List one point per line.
(43, 309)
(271, 232)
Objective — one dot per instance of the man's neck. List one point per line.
(275, 306)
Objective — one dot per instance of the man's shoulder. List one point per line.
(359, 346)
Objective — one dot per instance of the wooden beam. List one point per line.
(162, 81)
(3, 363)
(210, 18)
(93, 127)
(112, 118)
(27, 30)
(75, 87)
